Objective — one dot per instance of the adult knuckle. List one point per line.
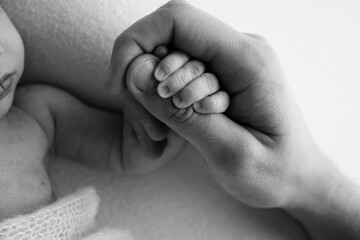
(268, 52)
(175, 9)
(260, 38)
(264, 50)
(175, 4)
(263, 55)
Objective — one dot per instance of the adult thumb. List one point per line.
(222, 142)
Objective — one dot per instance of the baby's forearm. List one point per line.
(330, 208)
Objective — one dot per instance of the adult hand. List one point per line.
(259, 144)
(260, 151)
(147, 143)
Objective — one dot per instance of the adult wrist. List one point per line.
(328, 203)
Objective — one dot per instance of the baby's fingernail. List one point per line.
(197, 105)
(160, 74)
(164, 91)
(177, 100)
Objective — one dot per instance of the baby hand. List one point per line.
(187, 82)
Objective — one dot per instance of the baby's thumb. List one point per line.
(219, 139)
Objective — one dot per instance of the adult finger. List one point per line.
(226, 146)
(155, 129)
(228, 53)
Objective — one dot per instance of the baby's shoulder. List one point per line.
(22, 130)
(18, 118)
(21, 135)
(15, 121)
(32, 101)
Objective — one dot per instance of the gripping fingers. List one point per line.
(170, 64)
(203, 86)
(216, 103)
(179, 79)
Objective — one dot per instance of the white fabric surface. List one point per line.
(68, 218)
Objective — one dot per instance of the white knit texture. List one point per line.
(66, 219)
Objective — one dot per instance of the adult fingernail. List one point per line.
(164, 91)
(143, 76)
(160, 74)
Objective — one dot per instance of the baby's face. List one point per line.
(11, 62)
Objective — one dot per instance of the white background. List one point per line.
(319, 45)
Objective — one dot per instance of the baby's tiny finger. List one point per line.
(200, 88)
(216, 103)
(179, 79)
(161, 51)
(170, 64)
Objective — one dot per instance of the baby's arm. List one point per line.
(187, 82)
(75, 130)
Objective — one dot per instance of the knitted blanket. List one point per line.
(69, 218)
